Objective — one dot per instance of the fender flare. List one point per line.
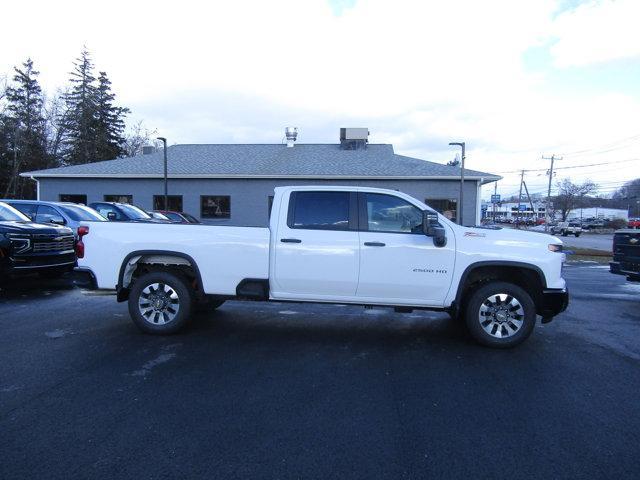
(122, 292)
(496, 263)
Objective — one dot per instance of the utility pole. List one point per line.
(548, 206)
(528, 196)
(519, 199)
(459, 209)
(166, 187)
(495, 192)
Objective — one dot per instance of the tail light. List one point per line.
(82, 231)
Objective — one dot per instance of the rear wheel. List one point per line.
(577, 235)
(563, 233)
(160, 303)
(500, 315)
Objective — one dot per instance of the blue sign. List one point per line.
(522, 208)
(495, 198)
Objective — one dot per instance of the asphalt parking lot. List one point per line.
(257, 390)
(596, 241)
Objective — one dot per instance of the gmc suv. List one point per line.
(28, 247)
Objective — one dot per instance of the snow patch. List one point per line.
(55, 333)
(150, 365)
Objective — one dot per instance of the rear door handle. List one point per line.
(290, 240)
(374, 244)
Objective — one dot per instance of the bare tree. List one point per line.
(54, 110)
(137, 137)
(571, 195)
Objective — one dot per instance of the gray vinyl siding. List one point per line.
(249, 197)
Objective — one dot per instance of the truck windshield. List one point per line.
(134, 212)
(10, 214)
(82, 213)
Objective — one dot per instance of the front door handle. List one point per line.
(290, 240)
(374, 244)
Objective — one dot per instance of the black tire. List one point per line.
(564, 234)
(500, 291)
(577, 235)
(171, 291)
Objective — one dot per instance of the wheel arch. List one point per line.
(525, 275)
(167, 258)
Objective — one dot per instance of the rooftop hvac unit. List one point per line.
(354, 138)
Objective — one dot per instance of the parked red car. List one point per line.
(634, 223)
(178, 217)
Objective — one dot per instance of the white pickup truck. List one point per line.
(346, 245)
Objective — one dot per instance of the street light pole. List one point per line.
(166, 187)
(461, 199)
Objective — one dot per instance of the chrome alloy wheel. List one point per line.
(158, 303)
(501, 315)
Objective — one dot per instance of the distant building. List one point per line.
(510, 210)
(598, 212)
(230, 184)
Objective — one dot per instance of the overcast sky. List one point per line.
(514, 79)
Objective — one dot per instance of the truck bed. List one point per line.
(223, 255)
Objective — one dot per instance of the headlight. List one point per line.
(554, 247)
(20, 242)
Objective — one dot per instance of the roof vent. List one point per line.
(291, 134)
(354, 138)
(147, 149)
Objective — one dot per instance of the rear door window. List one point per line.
(47, 214)
(319, 210)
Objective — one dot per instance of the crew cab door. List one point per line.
(398, 262)
(316, 247)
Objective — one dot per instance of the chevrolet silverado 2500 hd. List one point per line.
(347, 245)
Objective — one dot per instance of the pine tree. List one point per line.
(109, 122)
(24, 126)
(79, 119)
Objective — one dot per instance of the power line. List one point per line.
(573, 166)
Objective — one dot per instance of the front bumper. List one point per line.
(83, 277)
(553, 302)
(625, 268)
(33, 262)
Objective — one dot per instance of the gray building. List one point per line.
(230, 184)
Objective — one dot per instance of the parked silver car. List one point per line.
(59, 213)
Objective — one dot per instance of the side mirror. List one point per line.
(111, 216)
(431, 228)
(57, 220)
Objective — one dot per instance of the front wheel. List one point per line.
(160, 303)
(500, 315)
(577, 235)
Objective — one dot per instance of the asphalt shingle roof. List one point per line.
(270, 160)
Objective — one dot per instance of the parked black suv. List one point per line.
(626, 254)
(28, 247)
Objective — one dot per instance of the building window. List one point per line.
(174, 201)
(119, 198)
(215, 206)
(320, 211)
(392, 214)
(446, 206)
(72, 198)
